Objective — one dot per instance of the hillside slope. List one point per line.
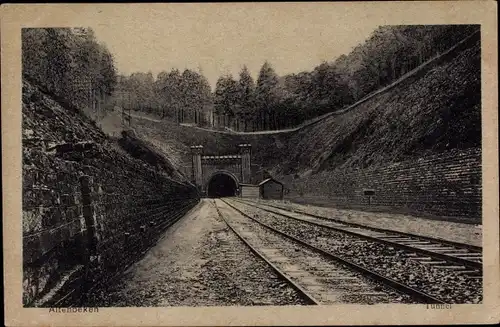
(174, 140)
(437, 111)
(417, 144)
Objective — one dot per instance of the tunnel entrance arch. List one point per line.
(222, 184)
(205, 166)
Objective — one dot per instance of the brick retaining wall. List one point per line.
(89, 208)
(87, 214)
(444, 184)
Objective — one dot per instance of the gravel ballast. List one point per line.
(447, 285)
(342, 284)
(198, 262)
(452, 231)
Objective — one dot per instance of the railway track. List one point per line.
(320, 276)
(461, 258)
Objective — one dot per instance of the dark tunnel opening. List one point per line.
(221, 185)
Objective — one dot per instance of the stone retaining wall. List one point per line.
(87, 214)
(90, 209)
(444, 184)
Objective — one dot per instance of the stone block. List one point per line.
(31, 248)
(46, 215)
(65, 233)
(46, 241)
(32, 221)
(74, 228)
(57, 216)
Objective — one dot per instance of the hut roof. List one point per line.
(268, 180)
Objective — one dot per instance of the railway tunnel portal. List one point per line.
(222, 184)
(221, 175)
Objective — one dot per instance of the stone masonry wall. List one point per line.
(89, 209)
(444, 184)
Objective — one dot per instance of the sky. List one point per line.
(219, 40)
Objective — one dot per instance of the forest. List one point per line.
(71, 63)
(183, 97)
(272, 101)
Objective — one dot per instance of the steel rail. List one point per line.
(308, 297)
(467, 263)
(469, 247)
(427, 298)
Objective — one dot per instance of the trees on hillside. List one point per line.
(69, 63)
(182, 97)
(195, 96)
(273, 101)
(235, 102)
(168, 93)
(246, 105)
(225, 100)
(392, 51)
(266, 95)
(246, 100)
(389, 53)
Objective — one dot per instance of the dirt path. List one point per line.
(199, 262)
